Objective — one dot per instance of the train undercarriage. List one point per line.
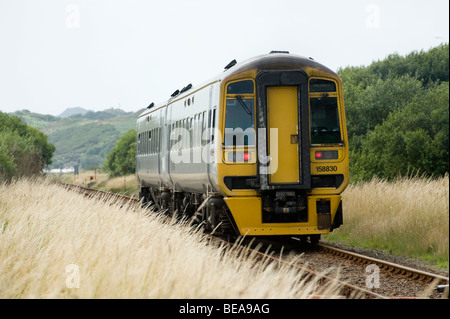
(211, 212)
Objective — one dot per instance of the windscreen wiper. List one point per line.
(244, 106)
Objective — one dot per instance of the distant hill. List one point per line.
(82, 139)
(73, 111)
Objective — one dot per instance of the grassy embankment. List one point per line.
(58, 244)
(407, 217)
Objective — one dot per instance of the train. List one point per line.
(260, 149)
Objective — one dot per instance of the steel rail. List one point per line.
(405, 271)
(347, 289)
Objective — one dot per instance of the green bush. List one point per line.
(121, 160)
(24, 150)
(397, 114)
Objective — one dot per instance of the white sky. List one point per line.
(99, 54)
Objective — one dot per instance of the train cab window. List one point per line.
(325, 128)
(319, 85)
(240, 114)
(241, 87)
(240, 122)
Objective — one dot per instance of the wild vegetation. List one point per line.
(24, 150)
(82, 140)
(58, 244)
(406, 217)
(121, 160)
(398, 115)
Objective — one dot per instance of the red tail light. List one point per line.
(327, 155)
(247, 156)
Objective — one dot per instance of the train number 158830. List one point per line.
(326, 168)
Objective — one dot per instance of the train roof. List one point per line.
(276, 60)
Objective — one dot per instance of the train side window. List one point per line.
(154, 141)
(185, 124)
(191, 132)
(150, 141)
(144, 143)
(138, 142)
(173, 134)
(199, 130)
(204, 127)
(196, 130)
(209, 118)
(213, 124)
(182, 134)
(186, 134)
(158, 131)
(170, 136)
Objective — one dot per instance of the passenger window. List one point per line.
(150, 142)
(138, 148)
(204, 127)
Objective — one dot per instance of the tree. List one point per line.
(25, 150)
(413, 139)
(397, 115)
(121, 159)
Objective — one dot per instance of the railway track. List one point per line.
(359, 276)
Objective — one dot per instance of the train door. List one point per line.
(282, 120)
(283, 130)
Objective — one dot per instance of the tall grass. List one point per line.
(58, 244)
(408, 216)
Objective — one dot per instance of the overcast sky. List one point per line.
(99, 54)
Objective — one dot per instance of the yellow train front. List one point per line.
(280, 151)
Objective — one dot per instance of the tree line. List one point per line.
(24, 150)
(397, 114)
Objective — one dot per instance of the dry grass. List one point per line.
(127, 185)
(408, 217)
(121, 252)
